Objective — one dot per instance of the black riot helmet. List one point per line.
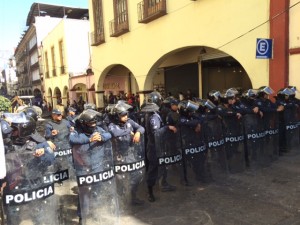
(284, 93)
(121, 108)
(294, 90)
(249, 94)
(214, 96)
(154, 97)
(207, 104)
(30, 111)
(235, 91)
(23, 125)
(89, 106)
(187, 106)
(167, 101)
(227, 95)
(88, 120)
(150, 107)
(264, 90)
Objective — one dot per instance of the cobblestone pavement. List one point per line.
(265, 196)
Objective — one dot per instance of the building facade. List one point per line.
(173, 46)
(66, 58)
(41, 19)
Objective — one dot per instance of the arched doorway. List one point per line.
(197, 69)
(119, 83)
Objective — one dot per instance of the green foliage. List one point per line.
(4, 104)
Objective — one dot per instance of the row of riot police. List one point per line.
(107, 155)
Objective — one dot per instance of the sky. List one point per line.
(13, 16)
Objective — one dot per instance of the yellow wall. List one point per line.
(294, 60)
(225, 25)
(61, 80)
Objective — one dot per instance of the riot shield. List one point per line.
(254, 140)
(167, 145)
(271, 143)
(98, 202)
(26, 197)
(129, 167)
(194, 155)
(234, 144)
(291, 128)
(215, 141)
(64, 174)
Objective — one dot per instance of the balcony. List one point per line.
(149, 12)
(119, 25)
(97, 38)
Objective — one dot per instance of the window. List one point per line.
(53, 61)
(121, 11)
(98, 34)
(47, 64)
(61, 57)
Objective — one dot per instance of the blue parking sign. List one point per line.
(264, 48)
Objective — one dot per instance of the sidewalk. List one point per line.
(267, 196)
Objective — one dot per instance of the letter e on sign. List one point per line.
(264, 48)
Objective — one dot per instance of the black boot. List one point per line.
(151, 197)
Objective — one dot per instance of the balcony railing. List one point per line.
(149, 11)
(119, 25)
(97, 38)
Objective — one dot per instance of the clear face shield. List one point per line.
(216, 94)
(267, 90)
(192, 106)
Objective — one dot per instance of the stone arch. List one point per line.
(203, 64)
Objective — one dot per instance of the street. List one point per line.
(265, 196)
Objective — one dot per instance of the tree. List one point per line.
(4, 104)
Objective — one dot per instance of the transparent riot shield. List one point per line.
(234, 144)
(291, 128)
(97, 194)
(271, 143)
(64, 175)
(194, 155)
(129, 167)
(169, 156)
(65, 183)
(215, 141)
(254, 140)
(27, 198)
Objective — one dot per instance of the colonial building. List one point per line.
(174, 46)
(66, 58)
(41, 19)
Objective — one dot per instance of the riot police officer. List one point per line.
(288, 128)
(27, 166)
(128, 149)
(155, 129)
(93, 163)
(267, 106)
(194, 151)
(233, 130)
(57, 130)
(214, 96)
